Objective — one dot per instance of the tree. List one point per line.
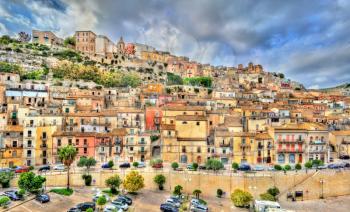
(156, 161)
(67, 155)
(298, 166)
(278, 167)
(110, 164)
(135, 164)
(87, 162)
(23, 37)
(267, 196)
(4, 200)
(274, 191)
(317, 163)
(287, 167)
(241, 198)
(195, 166)
(214, 164)
(219, 192)
(113, 183)
(174, 165)
(133, 182)
(87, 178)
(177, 190)
(5, 178)
(101, 201)
(159, 179)
(235, 166)
(308, 165)
(31, 182)
(69, 41)
(196, 193)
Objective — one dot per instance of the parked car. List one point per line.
(112, 208)
(44, 168)
(177, 198)
(179, 169)
(344, 157)
(141, 165)
(264, 205)
(198, 208)
(59, 167)
(202, 167)
(157, 166)
(120, 204)
(86, 205)
(13, 195)
(336, 166)
(105, 166)
(244, 167)
(258, 168)
(124, 165)
(168, 208)
(96, 196)
(126, 199)
(173, 202)
(190, 167)
(6, 170)
(74, 209)
(322, 167)
(21, 169)
(42, 198)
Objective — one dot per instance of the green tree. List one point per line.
(219, 192)
(159, 179)
(110, 164)
(113, 183)
(196, 193)
(267, 196)
(101, 201)
(5, 178)
(4, 200)
(287, 167)
(174, 165)
(135, 164)
(278, 167)
(31, 182)
(235, 166)
(308, 165)
(69, 41)
(177, 190)
(87, 179)
(241, 198)
(133, 182)
(298, 166)
(67, 155)
(214, 164)
(86, 162)
(274, 191)
(90, 210)
(195, 166)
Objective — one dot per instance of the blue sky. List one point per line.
(307, 40)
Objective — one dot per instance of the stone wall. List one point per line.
(336, 183)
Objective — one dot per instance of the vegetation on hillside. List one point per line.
(198, 81)
(173, 79)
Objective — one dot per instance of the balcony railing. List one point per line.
(224, 144)
(43, 146)
(142, 151)
(291, 141)
(289, 150)
(43, 138)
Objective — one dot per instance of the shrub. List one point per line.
(159, 180)
(90, 210)
(62, 191)
(195, 166)
(241, 198)
(267, 196)
(287, 167)
(214, 164)
(308, 165)
(5, 178)
(113, 183)
(235, 165)
(133, 182)
(155, 161)
(174, 165)
(88, 179)
(110, 164)
(31, 182)
(278, 167)
(31, 168)
(101, 200)
(135, 164)
(219, 192)
(274, 191)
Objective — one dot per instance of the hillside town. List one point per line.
(150, 104)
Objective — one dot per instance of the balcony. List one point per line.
(29, 136)
(43, 138)
(43, 146)
(29, 156)
(14, 147)
(283, 150)
(224, 144)
(142, 142)
(142, 151)
(244, 145)
(291, 141)
(43, 156)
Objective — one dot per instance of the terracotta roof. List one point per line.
(341, 133)
(191, 118)
(262, 136)
(184, 108)
(167, 127)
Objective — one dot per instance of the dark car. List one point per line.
(86, 205)
(244, 167)
(168, 208)
(44, 168)
(344, 157)
(202, 167)
(124, 165)
(13, 195)
(42, 198)
(105, 166)
(335, 166)
(125, 199)
(74, 209)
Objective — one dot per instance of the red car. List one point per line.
(22, 169)
(157, 166)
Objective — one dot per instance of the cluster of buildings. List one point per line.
(247, 115)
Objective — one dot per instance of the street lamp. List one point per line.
(322, 181)
(187, 179)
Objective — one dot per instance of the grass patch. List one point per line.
(109, 192)
(62, 191)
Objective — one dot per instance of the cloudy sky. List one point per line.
(307, 40)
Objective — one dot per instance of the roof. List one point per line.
(167, 127)
(262, 136)
(341, 133)
(186, 108)
(190, 118)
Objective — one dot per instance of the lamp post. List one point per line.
(322, 181)
(187, 179)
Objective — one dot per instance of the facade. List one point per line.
(46, 38)
(85, 42)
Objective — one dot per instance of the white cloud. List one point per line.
(3, 29)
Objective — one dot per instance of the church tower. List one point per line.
(121, 46)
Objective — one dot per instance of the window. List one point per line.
(291, 158)
(199, 149)
(77, 142)
(183, 149)
(85, 141)
(14, 143)
(29, 143)
(281, 158)
(184, 122)
(85, 150)
(210, 122)
(131, 148)
(198, 123)
(59, 142)
(70, 141)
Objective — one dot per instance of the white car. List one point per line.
(120, 205)
(199, 208)
(112, 208)
(59, 167)
(173, 202)
(96, 196)
(141, 165)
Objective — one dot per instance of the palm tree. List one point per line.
(197, 192)
(67, 155)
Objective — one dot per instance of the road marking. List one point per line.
(36, 202)
(27, 209)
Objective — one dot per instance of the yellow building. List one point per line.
(339, 143)
(244, 148)
(44, 145)
(11, 146)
